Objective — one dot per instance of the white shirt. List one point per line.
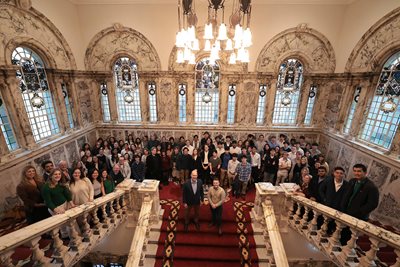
(234, 150)
(205, 157)
(232, 166)
(337, 185)
(190, 149)
(255, 160)
(284, 164)
(220, 151)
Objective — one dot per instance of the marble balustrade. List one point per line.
(85, 229)
(301, 209)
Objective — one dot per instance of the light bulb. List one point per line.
(195, 45)
(238, 44)
(179, 58)
(247, 36)
(240, 54)
(229, 45)
(246, 56)
(238, 33)
(217, 45)
(208, 32)
(186, 54)
(191, 34)
(207, 46)
(222, 33)
(192, 60)
(232, 58)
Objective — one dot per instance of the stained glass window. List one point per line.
(151, 87)
(127, 90)
(104, 102)
(36, 93)
(350, 116)
(379, 126)
(6, 127)
(182, 102)
(290, 79)
(312, 95)
(262, 96)
(231, 104)
(207, 92)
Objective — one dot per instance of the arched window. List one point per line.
(127, 89)
(312, 95)
(207, 92)
(262, 95)
(35, 93)
(67, 105)
(350, 115)
(182, 102)
(381, 123)
(104, 102)
(287, 96)
(151, 87)
(230, 116)
(6, 127)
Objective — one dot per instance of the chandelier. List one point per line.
(389, 87)
(216, 36)
(289, 80)
(126, 77)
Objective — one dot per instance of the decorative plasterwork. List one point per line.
(26, 26)
(376, 45)
(308, 45)
(116, 41)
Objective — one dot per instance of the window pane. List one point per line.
(34, 86)
(290, 79)
(352, 110)
(68, 106)
(231, 104)
(207, 92)
(104, 102)
(312, 95)
(182, 102)
(152, 101)
(6, 128)
(262, 96)
(127, 90)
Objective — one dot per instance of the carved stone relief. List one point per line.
(376, 44)
(311, 46)
(84, 93)
(119, 40)
(31, 28)
(167, 96)
(247, 98)
(332, 108)
(378, 173)
(58, 154)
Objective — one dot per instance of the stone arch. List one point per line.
(119, 40)
(223, 62)
(310, 46)
(29, 27)
(376, 45)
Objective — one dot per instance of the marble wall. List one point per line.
(382, 170)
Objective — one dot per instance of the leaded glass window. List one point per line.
(151, 87)
(262, 98)
(352, 110)
(67, 105)
(36, 93)
(127, 90)
(207, 92)
(182, 102)
(290, 79)
(6, 127)
(312, 95)
(104, 102)
(231, 104)
(379, 126)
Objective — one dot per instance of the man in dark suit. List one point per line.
(332, 189)
(193, 196)
(362, 197)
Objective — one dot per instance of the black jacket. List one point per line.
(153, 167)
(364, 202)
(328, 194)
(137, 172)
(184, 162)
(189, 197)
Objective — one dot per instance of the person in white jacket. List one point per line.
(124, 168)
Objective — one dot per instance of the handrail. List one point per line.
(274, 235)
(135, 255)
(388, 237)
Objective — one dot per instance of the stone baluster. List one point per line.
(334, 240)
(297, 216)
(37, 254)
(96, 221)
(313, 225)
(304, 220)
(370, 256)
(86, 231)
(397, 263)
(112, 212)
(118, 208)
(106, 220)
(125, 203)
(291, 209)
(348, 253)
(323, 232)
(5, 258)
(60, 250)
(75, 242)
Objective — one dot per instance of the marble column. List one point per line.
(74, 101)
(59, 102)
(16, 110)
(112, 101)
(395, 147)
(304, 92)
(144, 101)
(269, 109)
(96, 100)
(345, 104)
(190, 97)
(223, 101)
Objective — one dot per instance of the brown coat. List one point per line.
(30, 194)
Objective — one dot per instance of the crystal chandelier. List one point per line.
(390, 89)
(217, 36)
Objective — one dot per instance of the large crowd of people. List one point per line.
(236, 164)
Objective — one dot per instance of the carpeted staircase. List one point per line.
(236, 247)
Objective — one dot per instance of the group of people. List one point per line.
(221, 164)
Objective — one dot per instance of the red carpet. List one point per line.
(236, 247)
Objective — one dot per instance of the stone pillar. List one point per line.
(74, 101)
(223, 101)
(190, 97)
(395, 148)
(144, 101)
(96, 100)
(59, 102)
(112, 101)
(4, 152)
(320, 106)
(270, 103)
(304, 92)
(13, 99)
(345, 104)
